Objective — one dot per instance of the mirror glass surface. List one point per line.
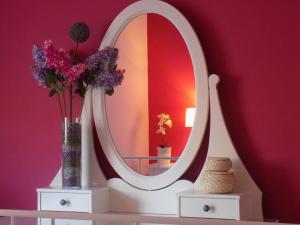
(159, 79)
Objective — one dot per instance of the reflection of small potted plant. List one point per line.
(163, 150)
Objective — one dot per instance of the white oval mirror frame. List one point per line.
(201, 103)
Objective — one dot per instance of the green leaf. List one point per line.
(109, 91)
(50, 78)
(60, 78)
(55, 87)
(88, 78)
(52, 92)
(80, 92)
(81, 89)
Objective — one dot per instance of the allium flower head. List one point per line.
(79, 32)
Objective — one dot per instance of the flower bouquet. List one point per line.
(64, 74)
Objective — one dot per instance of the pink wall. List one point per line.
(254, 45)
(170, 81)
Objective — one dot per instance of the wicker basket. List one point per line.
(218, 182)
(218, 164)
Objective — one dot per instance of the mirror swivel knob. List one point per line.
(63, 202)
(205, 208)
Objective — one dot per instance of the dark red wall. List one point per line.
(170, 81)
(253, 45)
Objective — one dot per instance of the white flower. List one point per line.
(164, 120)
(169, 123)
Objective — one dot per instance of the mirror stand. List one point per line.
(183, 197)
(247, 196)
(164, 194)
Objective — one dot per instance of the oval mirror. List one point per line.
(160, 83)
(150, 133)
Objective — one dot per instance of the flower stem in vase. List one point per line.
(58, 98)
(64, 99)
(70, 93)
(71, 155)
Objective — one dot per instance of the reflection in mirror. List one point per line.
(146, 115)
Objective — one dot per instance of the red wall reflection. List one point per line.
(170, 80)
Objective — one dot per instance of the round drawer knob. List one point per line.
(205, 208)
(63, 202)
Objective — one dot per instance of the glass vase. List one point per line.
(71, 154)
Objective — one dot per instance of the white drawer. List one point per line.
(215, 207)
(66, 222)
(75, 202)
(72, 222)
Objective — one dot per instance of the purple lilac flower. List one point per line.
(104, 79)
(118, 77)
(109, 54)
(38, 75)
(39, 57)
(101, 59)
(114, 53)
(103, 66)
(94, 62)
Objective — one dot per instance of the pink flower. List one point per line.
(58, 60)
(74, 72)
(47, 44)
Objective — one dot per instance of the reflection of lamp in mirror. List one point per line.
(189, 117)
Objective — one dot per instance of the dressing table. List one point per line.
(166, 193)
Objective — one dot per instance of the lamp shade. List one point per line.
(189, 117)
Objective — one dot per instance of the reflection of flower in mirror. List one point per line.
(164, 123)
